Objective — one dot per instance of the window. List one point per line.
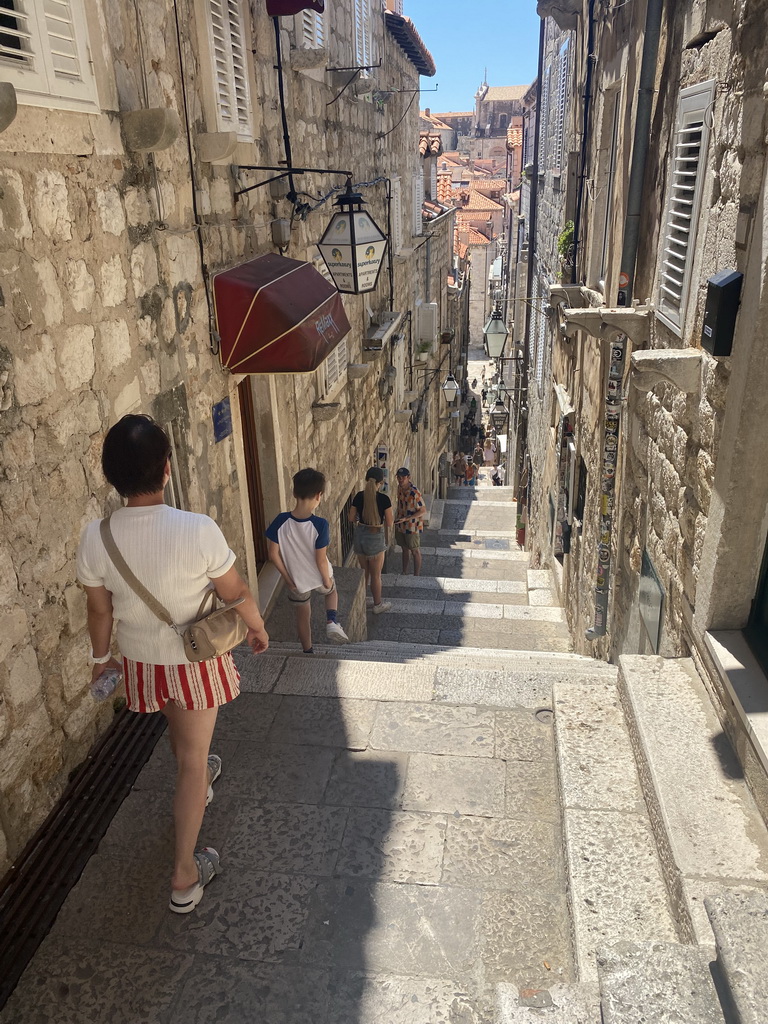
(334, 367)
(562, 99)
(229, 65)
(310, 30)
(44, 52)
(363, 42)
(418, 201)
(540, 336)
(689, 151)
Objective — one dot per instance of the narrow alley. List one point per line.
(444, 823)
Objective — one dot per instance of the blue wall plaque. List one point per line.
(222, 420)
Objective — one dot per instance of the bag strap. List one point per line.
(122, 567)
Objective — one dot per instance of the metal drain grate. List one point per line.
(35, 887)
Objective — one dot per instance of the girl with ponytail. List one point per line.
(371, 512)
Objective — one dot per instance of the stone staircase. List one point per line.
(666, 854)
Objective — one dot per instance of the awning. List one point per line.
(276, 315)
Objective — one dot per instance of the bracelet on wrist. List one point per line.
(101, 661)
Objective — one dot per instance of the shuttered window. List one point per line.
(689, 151)
(562, 106)
(418, 201)
(229, 64)
(539, 332)
(543, 118)
(363, 46)
(335, 367)
(311, 30)
(44, 52)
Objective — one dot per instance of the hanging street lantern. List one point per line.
(499, 416)
(495, 334)
(353, 246)
(450, 388)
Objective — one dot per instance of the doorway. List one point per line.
(253, 471)
(756, 632)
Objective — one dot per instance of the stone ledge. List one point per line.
(746, 682)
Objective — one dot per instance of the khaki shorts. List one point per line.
(409, 541)
(299, 597)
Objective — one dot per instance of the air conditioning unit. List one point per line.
(427, 321)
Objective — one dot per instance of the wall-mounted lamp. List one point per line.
(353, 245)
(386, 382)
(499, 415)
(495, 333)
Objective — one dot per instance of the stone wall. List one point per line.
(103, 310)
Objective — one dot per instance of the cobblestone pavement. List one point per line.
(390, 837)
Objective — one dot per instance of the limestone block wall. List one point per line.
(104, 310)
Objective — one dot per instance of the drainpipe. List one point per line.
(613, 398)
(640, 146)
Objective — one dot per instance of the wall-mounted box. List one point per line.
(723, 295)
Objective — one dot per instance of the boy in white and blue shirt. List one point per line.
(298, 548)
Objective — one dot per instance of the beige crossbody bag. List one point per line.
(212, 633)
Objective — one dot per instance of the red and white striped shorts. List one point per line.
(195, 686)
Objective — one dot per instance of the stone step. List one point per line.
(471, 551)
(739, 921)
(437, 607)
(558, 1004)
(534, 632)
(708, 830)
(487, 679)
(657, 983)
(449, 586)
(616, 886)
(491, 565)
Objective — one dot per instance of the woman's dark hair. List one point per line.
(134, 456)
(374, 473)
(307, 483)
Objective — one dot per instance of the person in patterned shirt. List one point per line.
(410, 520)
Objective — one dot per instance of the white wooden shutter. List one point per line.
(363, 35)
(396, 216)
(418, 200)
(226, 31)
(335, 365)
(311, 30)
(684, 202)
(543, 118)
(562, 99)
(44, 49)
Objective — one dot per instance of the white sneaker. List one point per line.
(335, 633)
(379, 609)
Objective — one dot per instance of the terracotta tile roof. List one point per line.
(477, 238)
(444, 189)
(490, 185)
(514, 136)
(479, 202)
(505, 92)
(435, 121)
(430, 145)
(456, 113)
(411, 43)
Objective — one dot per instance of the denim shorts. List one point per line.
(368, 541)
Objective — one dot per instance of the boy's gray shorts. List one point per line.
(296, 597)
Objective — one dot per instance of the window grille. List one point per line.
(229, 61)
(311, 30)
(684, 202)
(44, 51)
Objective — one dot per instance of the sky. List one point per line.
(502, 35)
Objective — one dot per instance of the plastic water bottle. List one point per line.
(105, 684)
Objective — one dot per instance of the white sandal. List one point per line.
(183, 901)
(214, 771)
